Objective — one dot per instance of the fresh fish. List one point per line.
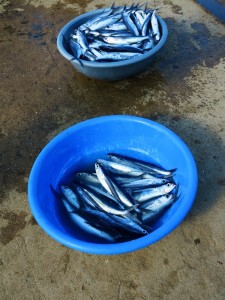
(134, 25)
(100, 191)
(141, 165)
(76, 48)
(111, 186)
(150, 193)
(130, 24)
(155, 26)
(86, 199)
(120, 48)
(105, 206)
(119, 168)
(143, 183)
(95, 19)
(129, 225)
(87, 178)
(104, 22)
(145, 25)
(81, 39)
(71, 197)
(116, 222)
(158, 206)
(125, 40)
(113, 56)
(80, 220)
(117, 26)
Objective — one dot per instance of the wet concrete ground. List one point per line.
(41, 94)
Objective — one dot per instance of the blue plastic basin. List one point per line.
(78, 147)
(108, 70)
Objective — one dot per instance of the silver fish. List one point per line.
(143, 183)
(125, 40)
(76, 48)
(104, 22)
(150, 193)
(129, 225)
(111, 186)
(81, 39)
(86, 200)
(106, 207)
(141, 165)
(71, 197)
(87, 178)
(117, 26)
(114, 56)
(80, 220)
(95, 19)
(119, 168)
(155, 26)
(130, 24)
(157, 206)
(145, 25)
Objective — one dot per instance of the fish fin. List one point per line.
(173, 170)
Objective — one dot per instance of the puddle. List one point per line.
(216, 7)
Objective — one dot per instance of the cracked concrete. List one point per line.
(41, 94)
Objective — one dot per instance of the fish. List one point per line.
(89, 197)
(143, 183)
(119, 168)
(157, 207)
(112, 187)
(145, 26)
(116, 222)
(131, 26)
(96, 18)
(120, 48)
(125, 40)
(134, 25)
(116, 26)
(71, 197)
(120, 199)
(146, 167)
(104, 22)
(82, 40)
(150, 193)
(129, 225)
(155, 26)
(79, 218)
(87, 178)
(76, 48)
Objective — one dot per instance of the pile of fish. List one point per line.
(121, 200)
(118, 33)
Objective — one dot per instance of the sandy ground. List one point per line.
(41, 94)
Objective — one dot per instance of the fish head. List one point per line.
(169, 186)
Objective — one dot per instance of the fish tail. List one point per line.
(56, 194)
(133, 207)
(79, 60)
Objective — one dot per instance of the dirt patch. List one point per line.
(15, 223)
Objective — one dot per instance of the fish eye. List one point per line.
(167, 195)
(168, 184)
